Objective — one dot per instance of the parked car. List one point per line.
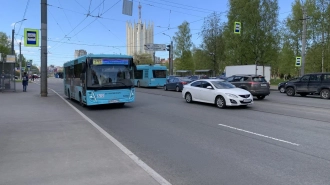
(218, 92)
(171, 77)
(176, 83)
(314, 83)
(281, 86)
(255, 84)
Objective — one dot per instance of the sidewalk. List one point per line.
(44, 141)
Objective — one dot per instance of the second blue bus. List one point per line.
(150, 75)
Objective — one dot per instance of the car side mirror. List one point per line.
(209, 87)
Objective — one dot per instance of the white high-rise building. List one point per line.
(78, 53)
(139, 34)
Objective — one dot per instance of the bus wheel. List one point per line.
(138, 83)
(69, 95)
(81, 101)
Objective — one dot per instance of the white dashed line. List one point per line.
(280, 140)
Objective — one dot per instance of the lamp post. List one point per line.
(13, 36)
(170, 55)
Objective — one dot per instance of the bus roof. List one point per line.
(83, 58)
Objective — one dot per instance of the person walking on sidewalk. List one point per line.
(25, 81)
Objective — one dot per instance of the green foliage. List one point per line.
(144, 58)
(182, 48)
(4, 44)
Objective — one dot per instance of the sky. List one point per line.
(104, 30)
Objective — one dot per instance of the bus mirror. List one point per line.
(82, 76)
(134, 67)
(83, 68)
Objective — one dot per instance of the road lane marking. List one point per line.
(280, 140)
(130, 154)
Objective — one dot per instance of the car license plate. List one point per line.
(113, 101)
(264, 85)
(247, 100)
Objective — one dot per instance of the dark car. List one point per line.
(281, 86)
(176, 83)
(314, 83)
(255, 84)
(171, 77)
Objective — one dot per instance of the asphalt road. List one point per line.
(278, 140)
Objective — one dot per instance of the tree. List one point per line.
(258, 41)
(143, 58)
(4, 44)
(182, 45)
(213, 42)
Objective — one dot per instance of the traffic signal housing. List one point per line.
(168, 47)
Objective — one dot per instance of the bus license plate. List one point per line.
(264, 85)
(113, 101)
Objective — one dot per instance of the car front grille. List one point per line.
(245, 96)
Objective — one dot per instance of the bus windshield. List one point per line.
(106, 76)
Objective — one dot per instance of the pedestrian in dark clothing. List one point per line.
(25, 81)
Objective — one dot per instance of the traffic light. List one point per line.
(168, 48)
(298, 61)
(237, 28)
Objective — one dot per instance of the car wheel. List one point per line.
(282, 90)
(138, 84)
(188, 98)
(165, 88)
(325, 94)
(177, 89)
(261, 97)
(220, 102)
(290, 91)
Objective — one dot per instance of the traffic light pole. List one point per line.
(171, 58)
(303, 44)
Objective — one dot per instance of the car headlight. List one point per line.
(231, 95)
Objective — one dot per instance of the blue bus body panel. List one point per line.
(148, 79)
(110, 96)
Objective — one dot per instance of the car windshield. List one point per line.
(222, 85)
(258, 79)
(109, 76)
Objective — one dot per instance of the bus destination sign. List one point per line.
(107, 61)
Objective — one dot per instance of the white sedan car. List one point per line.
(216, 91)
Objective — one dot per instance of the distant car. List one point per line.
(255, 84)
(218, 92)
(310, 84)
(281, 86)
(176, 83)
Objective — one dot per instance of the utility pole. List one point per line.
(171, 59)
(303, 44)
(20, 60)
(44, 52)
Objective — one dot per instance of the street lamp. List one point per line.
(12, 37)
(170, 55)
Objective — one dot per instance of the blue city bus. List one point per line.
(97, 79)
(150, 75)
